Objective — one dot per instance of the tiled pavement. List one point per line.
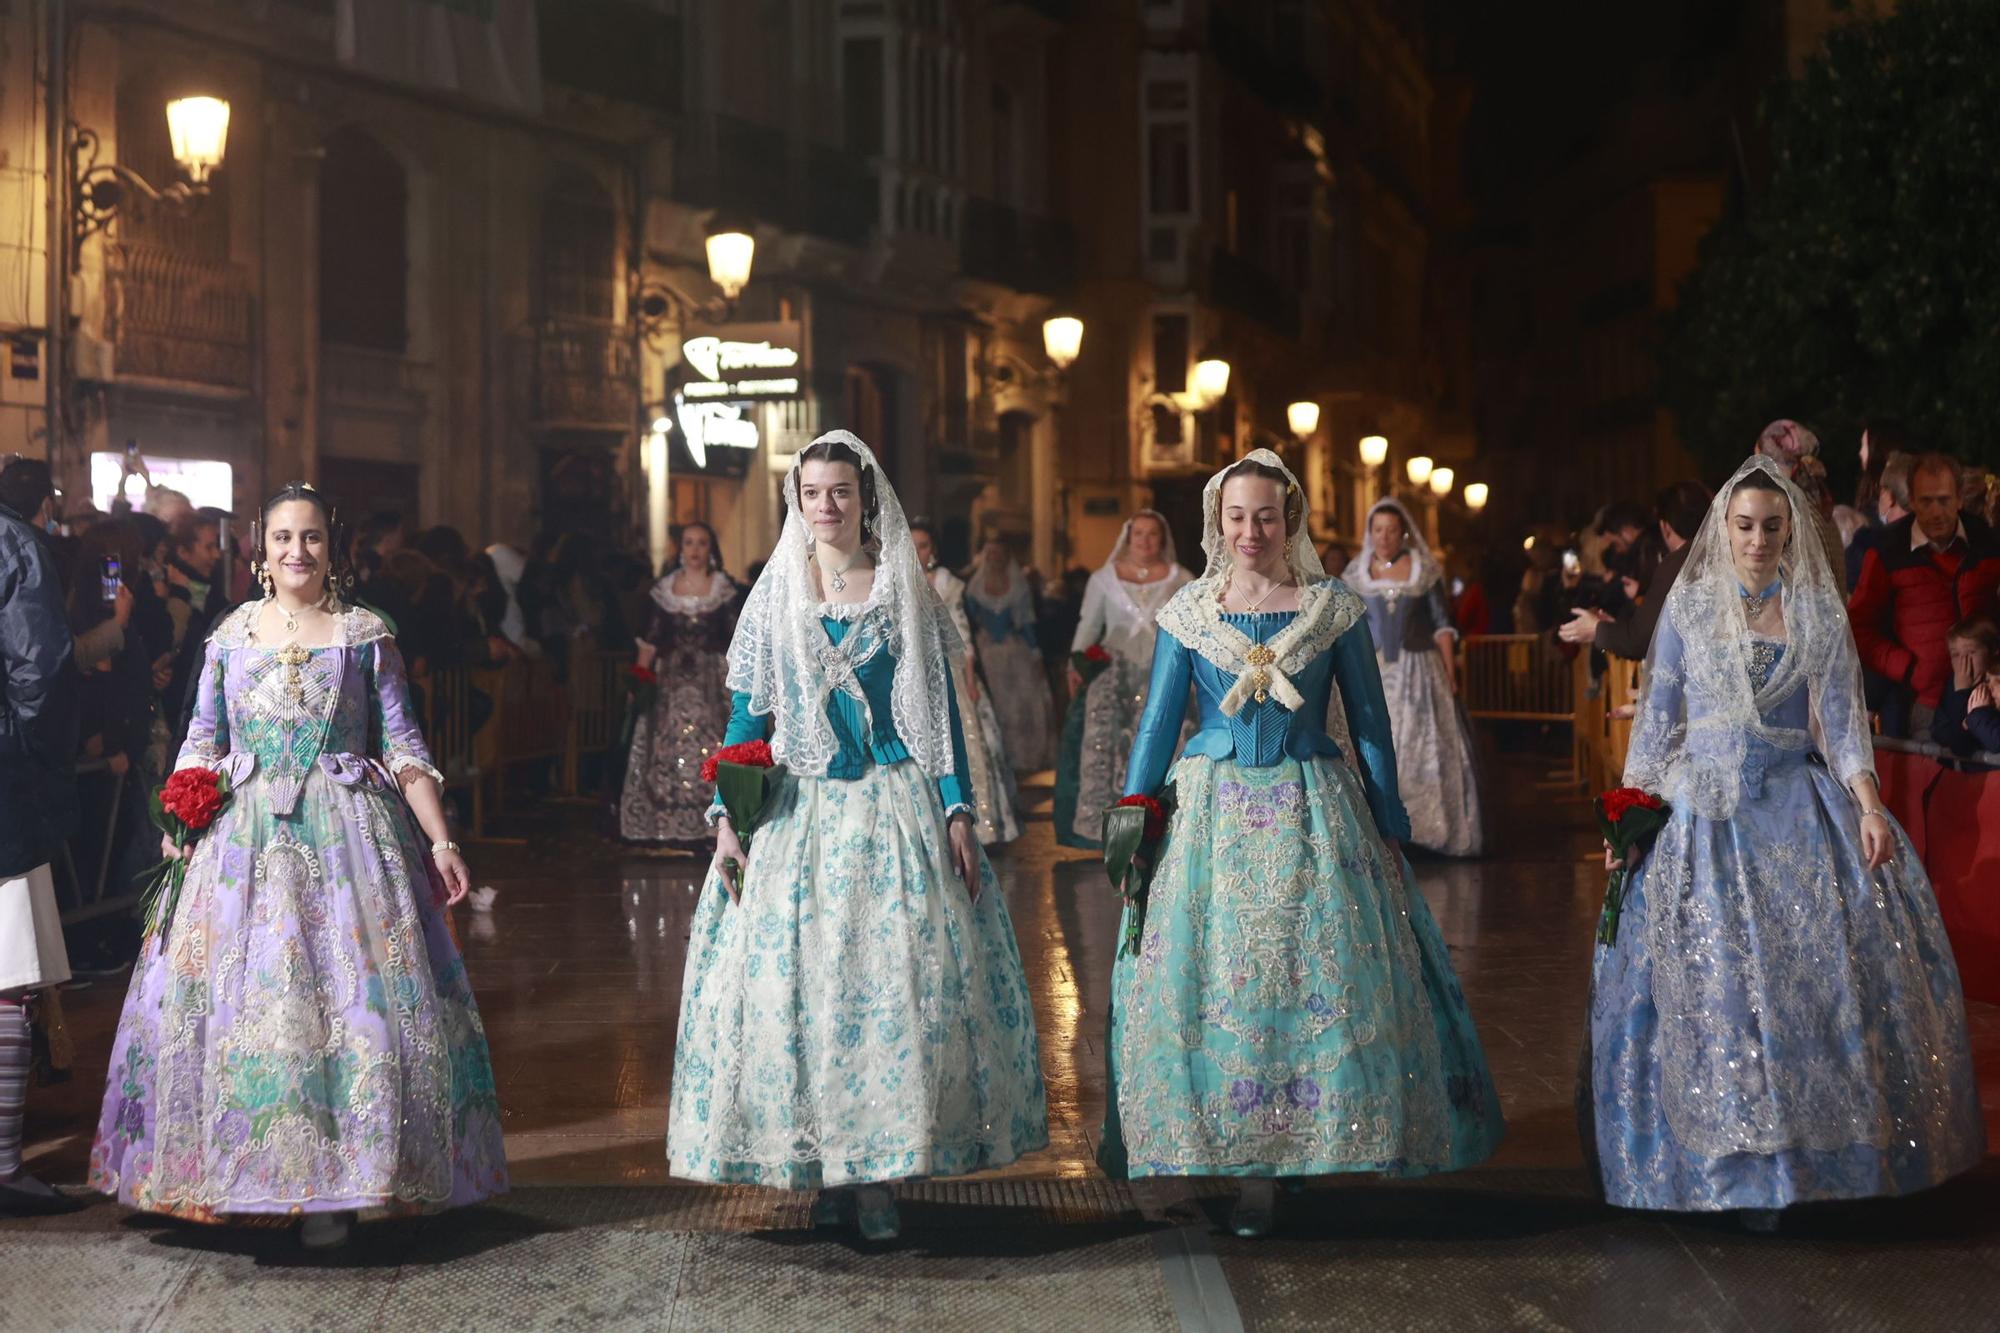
(578, 971)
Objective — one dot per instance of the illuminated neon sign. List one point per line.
(745, 363)
(706, 426)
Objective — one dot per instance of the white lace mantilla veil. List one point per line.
(1688, 744)
(1327, 608)
(1427, 573)
(784, 660)
(1124, 542)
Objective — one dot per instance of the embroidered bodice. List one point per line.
(1001, 616)
(1120, 614)
(275, 713)
(1405, 615)
(701, 623)
(1260, 732)
(864, 727)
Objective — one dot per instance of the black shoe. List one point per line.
(25, 1196)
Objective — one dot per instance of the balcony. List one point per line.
(174, 317)
(1234, 283)
(842, 201)
(370, 378)
(584, 377)
(1001, 245)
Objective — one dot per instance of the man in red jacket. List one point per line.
(1930, 570)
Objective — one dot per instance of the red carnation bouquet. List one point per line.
(1133, 829)
(744, 776)
(642, 684)
(182, 809)
(1628, 818)
(1090, 663)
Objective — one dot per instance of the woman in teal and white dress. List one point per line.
(857, 1013)
(1002, 608)
(1290, 1010)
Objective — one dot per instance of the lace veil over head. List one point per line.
(1428, 571)
(1300, 555)
(783, 658)
(1704, 699)
(1124, 542)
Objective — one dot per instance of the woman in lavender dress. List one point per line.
(686, 646)
(300, 1036)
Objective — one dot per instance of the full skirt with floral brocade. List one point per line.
(302, 1037)
(1291, 1009)
(1019, 687)
(1097, 740)
(856, 1016)
(1435, 768)
(664, 798)
(1773, 1023)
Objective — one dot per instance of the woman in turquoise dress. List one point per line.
(856, 1013)
(1290, 1010)
(1778, 1018)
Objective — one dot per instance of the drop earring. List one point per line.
(264, 578)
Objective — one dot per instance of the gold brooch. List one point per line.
(1260, 658)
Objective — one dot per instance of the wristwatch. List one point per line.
(444, 845)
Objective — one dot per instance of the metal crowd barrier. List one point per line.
(537, 716)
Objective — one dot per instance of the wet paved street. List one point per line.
(578, 971)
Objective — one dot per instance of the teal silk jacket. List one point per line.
(1262, 734)
(865, 734)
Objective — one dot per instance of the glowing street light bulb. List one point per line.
(198, 128)
(1211, 380)
(1303, 418)
(1374, 450)
(1528, 542)
(1475, 495)
(1441, 479)
(1062, 339)
(731, 252)
(1419, 470)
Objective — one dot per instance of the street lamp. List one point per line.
(1374, 450)
(1475, 495)
(1062, 339)
(198, 128)
(1441, 479)
(1211, 381)
(1303, 418)
(731, 251)
(1418, 470)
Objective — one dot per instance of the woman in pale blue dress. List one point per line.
(857, 1014)
(1779, 1019)
(1291, 1010)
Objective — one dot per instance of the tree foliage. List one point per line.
(1864, 279)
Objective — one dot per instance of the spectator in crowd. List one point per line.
(1887, 500)
(1796, 450)
(1615, 532)
(508, 567)
(167, 505)
(1850, 522)
(194, 599)
(37, 799)
(1977, 496)
(1968, 716)
(379, 537)
(1934, 567)
(1680, 507)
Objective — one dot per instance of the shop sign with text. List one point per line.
(744, 363)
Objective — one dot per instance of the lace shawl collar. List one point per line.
(1326, 611)
(721, 590)
(354, 626)
(1120, 592)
